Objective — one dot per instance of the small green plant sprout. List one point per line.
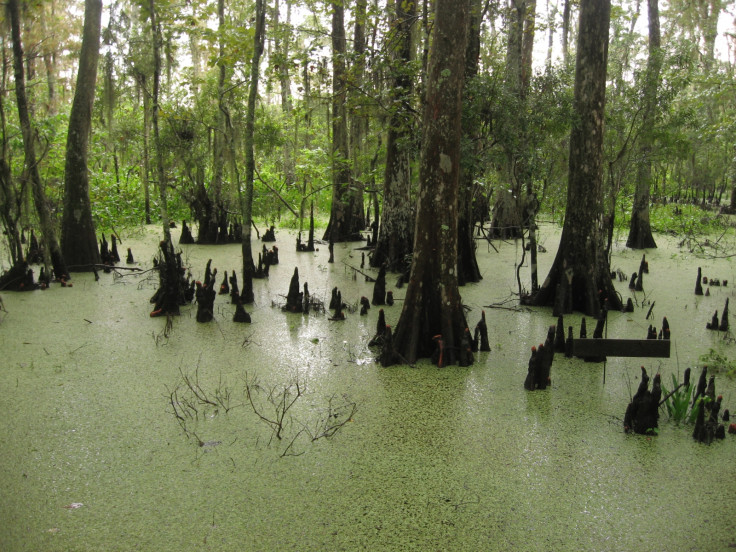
(677, 402)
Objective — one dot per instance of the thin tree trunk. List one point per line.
(566, 30)
(467, 264)
(640, 231)
(108, 101)
(146, 167)
(161, 176)
(551, 13)
(10, 205)
(281, 45)
(211, 222)
(78, 238)
(246, 199)
(531, 204)
(345, 222)
(48, 230)
(195, 51)
(48, 60)
(527, 44)
(358, 117)
(507, 216)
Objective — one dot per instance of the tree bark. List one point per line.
(395, 232)
(566, 30)
(246, 199)
(281, 36)
(161, 176)
(210, 209)
(345, 223)
(432, 305)
(48, 60)
(507, 209)
(467, 264)
(78, 238)
(640, 230)
(580, 278)
(146, 159)
(358, 115)
(10, 203)
(48, 230)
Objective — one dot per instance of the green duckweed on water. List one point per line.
(94, 458)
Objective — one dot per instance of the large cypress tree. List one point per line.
(580, 278)
(432, 304)
(78, 238)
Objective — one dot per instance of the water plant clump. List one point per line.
(677, 402)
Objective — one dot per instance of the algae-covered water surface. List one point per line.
(105, 445)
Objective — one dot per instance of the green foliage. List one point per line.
(718, 363)
(686, 220)
(678, 404)
(693, 130)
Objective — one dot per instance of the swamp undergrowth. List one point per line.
(718, 363)
(678, 401)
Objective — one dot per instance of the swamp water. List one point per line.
(93, 458)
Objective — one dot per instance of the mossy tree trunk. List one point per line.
(432, 304)
(358, 112)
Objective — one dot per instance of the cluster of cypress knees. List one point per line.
(540, 361)
(222, 235)
(177, 288)
(642, 413)
(298, 301)
(715, 323)
(441, 356)
(21, 278)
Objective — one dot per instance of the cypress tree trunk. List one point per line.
(10, 203)
(161, 176)
(432, 305)
(345, 222)
(48, 230)
(78, 238)
(580, 278)
(395, 236)
(246, 200)
(467, 264)
(640, 230)
(358, 116)
(49, 60)
(145, 158)
(566, 30)
(281, 36)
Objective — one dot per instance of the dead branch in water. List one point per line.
(281, 399)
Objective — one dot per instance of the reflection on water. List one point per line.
(452, 459)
